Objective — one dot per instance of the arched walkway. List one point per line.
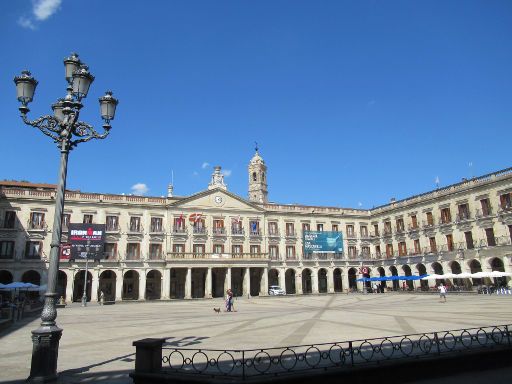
(289, 278)
(32, 277)
(256, 276)
(107, 285)
(409, 285)
(154, 285)
(273, 277)
(322, 280)
(396, 283)
(422, 270)
(307, 287)
(456, 269)
(78, 286)
(5, 277)
(383, 284)
(438, 270)
(475, 266)
(352, 284)
(62, 282)
(338, 281)
(497, 265)
(198, 276)
(218, 279)
(130, 285)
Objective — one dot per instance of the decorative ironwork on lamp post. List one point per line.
(67, 132)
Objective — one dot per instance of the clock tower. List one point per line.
(258, 191)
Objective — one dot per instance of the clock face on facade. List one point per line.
(218, 199)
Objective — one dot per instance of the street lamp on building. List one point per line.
(67, 132)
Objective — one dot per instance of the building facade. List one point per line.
(160, 248)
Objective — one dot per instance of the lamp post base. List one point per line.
(45, 351)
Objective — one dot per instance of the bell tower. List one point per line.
(258, 191)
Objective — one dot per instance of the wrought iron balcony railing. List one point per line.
(219, 231)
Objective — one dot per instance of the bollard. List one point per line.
(148, 355)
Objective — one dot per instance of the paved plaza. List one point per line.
(97, 341)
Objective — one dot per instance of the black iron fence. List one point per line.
(248, 364)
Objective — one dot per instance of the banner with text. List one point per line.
(86, 240)
(322, 242)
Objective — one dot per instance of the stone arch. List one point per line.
(307, 286)
(273, 277)
(322, 280)
(130, 285)
(107, 285)
(62, 282)
(6, 277)
(78, 286)
(352, 276)
(497, 265)
(394, 272)
(422, 270)
(337, 280)
(407, 272)
(154, 285)
(289, 278)
(474, 267)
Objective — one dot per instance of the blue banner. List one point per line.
(322, 242)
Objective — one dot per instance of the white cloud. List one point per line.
(26, 23)
(226, 172)
(195, 173)
(43, 9)
(205, 165)
(139, 189)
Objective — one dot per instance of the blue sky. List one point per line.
(351, 102)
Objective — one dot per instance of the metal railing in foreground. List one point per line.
(252, 363)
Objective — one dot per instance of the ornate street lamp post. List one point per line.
(67, 132)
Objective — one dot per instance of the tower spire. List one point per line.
(257, 169)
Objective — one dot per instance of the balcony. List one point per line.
(110, 256)
(291, 234)
(219, 231)
(483, 214)
(495, 242)
(351, 235)
(462, 217)
(216, 256)
(387, 232)
(254, 233)
(505, 210)
(135, 229)
(445, 221)
(428, 224)
(157, 256)
(156, 230)
(113, 228)
(37, 226)
(400, 231)
(179, 230)
(273, 233)
(237, 232)
(413, 228)
(199, 231)
(365, 236)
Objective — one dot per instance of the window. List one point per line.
(218, 227)
(112, 223)
(350, 231)
(178, 248)
(66, 219)
(36, 220)
(387, 227)
(320, 227)
(255, 250)
(110, 251)
(400, 225)
(469, 240)
(417, 247)
(237, 249)
(198, 249)
(389, 250)
(510, 231)
(179, 224)
(87, 219)
(133, 251)
(491, 240)
(156, 224)
(254, 177)
(290, 229)
(376, 229)
(134, 224)
(335, 227)
(430, 219)
(305, 227)
(199, 226)
(273, 252)
(10, 219)
(364, 230)
(505, 201)
(433, 245)
(377, 250)
(446, 216)
(414, 221)
(463, 212)
(236, 226)
(449, 242)
(272, 228)
(290, 252)
(352, 251)
(402, 249)
(6, 249)
(486, 207)
(218, 248)
(255, 227)
(155, 251)
(365, 251)
(33, 250)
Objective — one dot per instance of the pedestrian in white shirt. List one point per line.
(442, 292)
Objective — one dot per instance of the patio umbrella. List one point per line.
(463, 275)
(479, 275)
(433, 277)
(20, 285)
(499, 274)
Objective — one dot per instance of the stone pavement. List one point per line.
(97, 340)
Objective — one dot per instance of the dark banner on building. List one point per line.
(65, 252)
(323, 242)
(86, 241)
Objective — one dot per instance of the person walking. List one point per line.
(442, 293)
(229, 300)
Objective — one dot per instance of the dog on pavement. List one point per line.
(216, 310)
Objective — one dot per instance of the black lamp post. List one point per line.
(67, 132)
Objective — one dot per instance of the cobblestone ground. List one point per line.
(97, 341)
